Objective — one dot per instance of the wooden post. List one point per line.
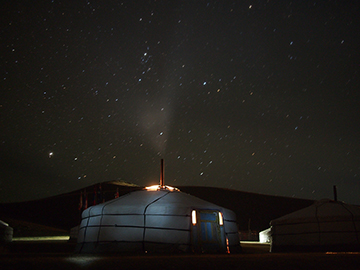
(335, 193)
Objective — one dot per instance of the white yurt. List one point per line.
(6, 232)
(157, 219)
(326, 225)
(265, 236)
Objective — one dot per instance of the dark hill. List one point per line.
(254, 211)
(62, 211)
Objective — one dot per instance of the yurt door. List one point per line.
(208, 235)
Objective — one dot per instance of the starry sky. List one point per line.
(258, 96)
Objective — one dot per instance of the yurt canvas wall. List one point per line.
(325, 226)
(157, 221)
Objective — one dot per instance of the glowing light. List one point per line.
(158, 187)
(193, 217)
(221, 221)
(42, 238)
(227, 245)
(153, 188)
(170, 188)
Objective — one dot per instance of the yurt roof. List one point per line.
(323, 210)
(151, 201)
(3, 224)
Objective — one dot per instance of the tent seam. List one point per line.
(353, 222)
(143, 241)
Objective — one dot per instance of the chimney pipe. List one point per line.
(335, 193)
(162, 173)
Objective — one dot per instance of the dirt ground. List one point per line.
(254, 256)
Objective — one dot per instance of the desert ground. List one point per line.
(60, 255)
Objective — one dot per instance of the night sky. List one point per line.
(258, 96)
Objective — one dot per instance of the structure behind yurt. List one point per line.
(158, 219)
(326, 225)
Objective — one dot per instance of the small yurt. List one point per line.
(265, 236)
(6, 233)
(157, 219)
(326, 225)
